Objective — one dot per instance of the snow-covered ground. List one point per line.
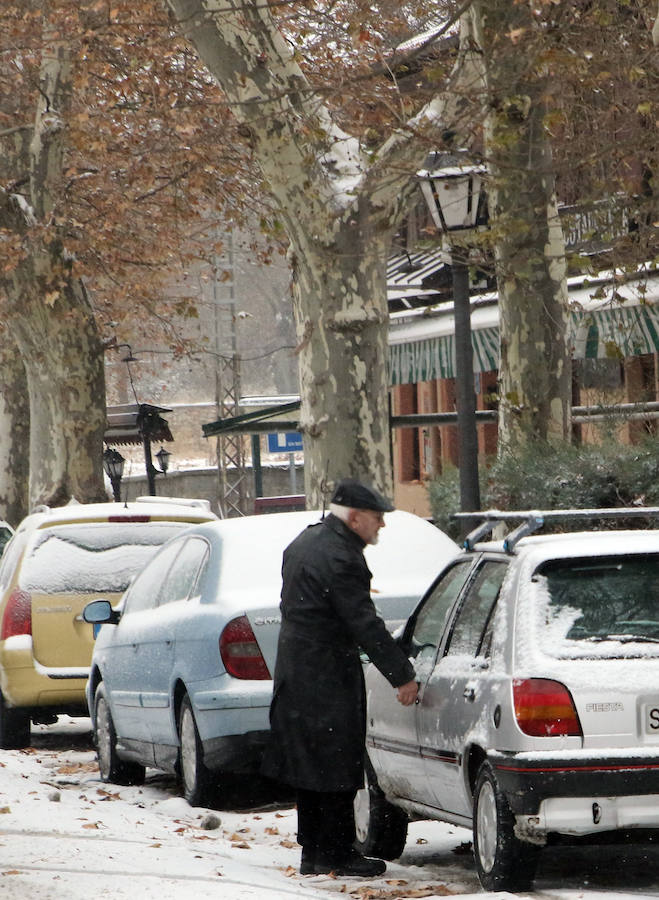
(64, 834)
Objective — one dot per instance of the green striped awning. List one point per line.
(425, 349)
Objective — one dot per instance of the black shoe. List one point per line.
(308, 861)
(355, 865)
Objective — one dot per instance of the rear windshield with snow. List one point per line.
(600, 607)
(92, 558)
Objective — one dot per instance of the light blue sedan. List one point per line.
(181, 671)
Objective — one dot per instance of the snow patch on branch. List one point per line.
(344, 164)
(21, 204)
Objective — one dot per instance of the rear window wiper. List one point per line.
(621, 638)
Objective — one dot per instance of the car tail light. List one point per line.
(240, 652)
(544, 708)
(17, 618)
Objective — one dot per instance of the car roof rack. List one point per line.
(532, 520)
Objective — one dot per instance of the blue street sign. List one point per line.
(285, 442)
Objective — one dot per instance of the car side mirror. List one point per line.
(100, 612)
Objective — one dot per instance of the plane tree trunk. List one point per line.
(46, 306)
(535, 365)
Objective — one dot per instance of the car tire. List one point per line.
(503, 861)
(196, 779)
(14, 727)
(381, 827)
(113, 769)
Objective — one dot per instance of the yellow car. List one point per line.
(56, 562)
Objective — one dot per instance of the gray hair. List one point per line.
(341, 512)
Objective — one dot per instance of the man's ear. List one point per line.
(352, 517)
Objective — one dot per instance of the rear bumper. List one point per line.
(591, 815)
(575, 794)
(26, 683)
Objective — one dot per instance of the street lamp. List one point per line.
(113, 463)
(163, 459)
(453, 189)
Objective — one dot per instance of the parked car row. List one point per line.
(181, 676)
(537, 657)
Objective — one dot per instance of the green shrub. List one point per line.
(542, 476)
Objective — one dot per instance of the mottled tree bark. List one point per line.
(535, 367)
(339, 203)
(48, 310)
(14, 432)
(63, 359)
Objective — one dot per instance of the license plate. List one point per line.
(651, 718)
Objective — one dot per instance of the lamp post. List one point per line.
(113, 463)
(163, 459)
(452, 187)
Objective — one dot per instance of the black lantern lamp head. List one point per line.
(113, 463)
(163, 459)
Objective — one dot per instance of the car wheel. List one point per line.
(381, 827)
(14, 727)
(195, 777)
(112, 768)
(503, 862)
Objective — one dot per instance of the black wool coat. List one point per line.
(318, 711)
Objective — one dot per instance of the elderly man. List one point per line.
(318, 712)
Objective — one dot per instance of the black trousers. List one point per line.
(325, 824)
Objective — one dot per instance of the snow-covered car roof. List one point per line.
(154, 508)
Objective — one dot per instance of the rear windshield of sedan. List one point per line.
(91, 558)
(607, 606)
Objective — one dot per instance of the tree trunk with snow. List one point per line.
(342, 321)
(49, 313)
(339, 204)
(535, 365)
(63, 360)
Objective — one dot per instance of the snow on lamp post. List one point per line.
(113, 463)
(452, 186)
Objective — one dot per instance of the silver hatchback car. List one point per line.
(538, 709)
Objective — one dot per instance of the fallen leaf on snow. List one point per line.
(93, 825)
(428, 890)
(241, 845)
(4, 810)
(272, 830)
(290, 845)
(289, 871)
(12, 872)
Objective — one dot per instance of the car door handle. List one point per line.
(469, 694)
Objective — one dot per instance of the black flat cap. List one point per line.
(355, 494)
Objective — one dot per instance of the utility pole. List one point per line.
(232, 475)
